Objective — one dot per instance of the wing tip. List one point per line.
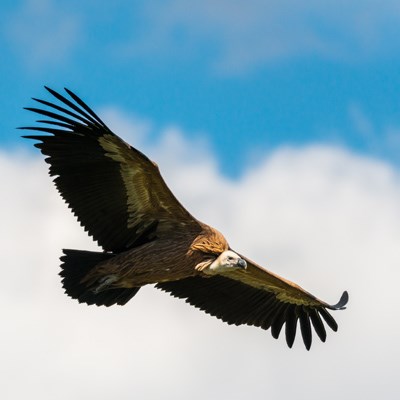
(341, 304)
(49, 89)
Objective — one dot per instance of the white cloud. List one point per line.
(43, 32)
(234, 35)
(242, 35)
(322, 216)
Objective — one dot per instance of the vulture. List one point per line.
(147, 237)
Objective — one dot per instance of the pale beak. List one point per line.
(242, 263)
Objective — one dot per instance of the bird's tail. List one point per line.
(76, 264)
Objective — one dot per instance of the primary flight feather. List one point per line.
(148, 237)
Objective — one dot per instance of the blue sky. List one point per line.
(246, 76)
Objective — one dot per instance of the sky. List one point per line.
(276, 122)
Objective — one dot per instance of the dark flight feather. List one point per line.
(216, 296)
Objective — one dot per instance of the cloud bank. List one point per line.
(322, 216)
(245, 35)
(233, 36)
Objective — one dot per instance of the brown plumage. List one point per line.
(148, 237)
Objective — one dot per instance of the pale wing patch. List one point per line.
(145, 195)
(284, 290)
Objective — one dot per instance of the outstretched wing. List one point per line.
(260, 298)
(115, 191)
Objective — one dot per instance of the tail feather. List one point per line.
(75, 265)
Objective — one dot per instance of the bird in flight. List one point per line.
(120, 198)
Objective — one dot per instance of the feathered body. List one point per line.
(148, 237)
(161, 260)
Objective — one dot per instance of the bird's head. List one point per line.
(227, 261)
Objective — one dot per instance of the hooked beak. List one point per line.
(242, 263)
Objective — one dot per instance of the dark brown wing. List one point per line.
(115, 191)
(284, 290)
(260, 298)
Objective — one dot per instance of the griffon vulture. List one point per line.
(148, 237)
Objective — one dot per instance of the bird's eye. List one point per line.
(230, 258)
